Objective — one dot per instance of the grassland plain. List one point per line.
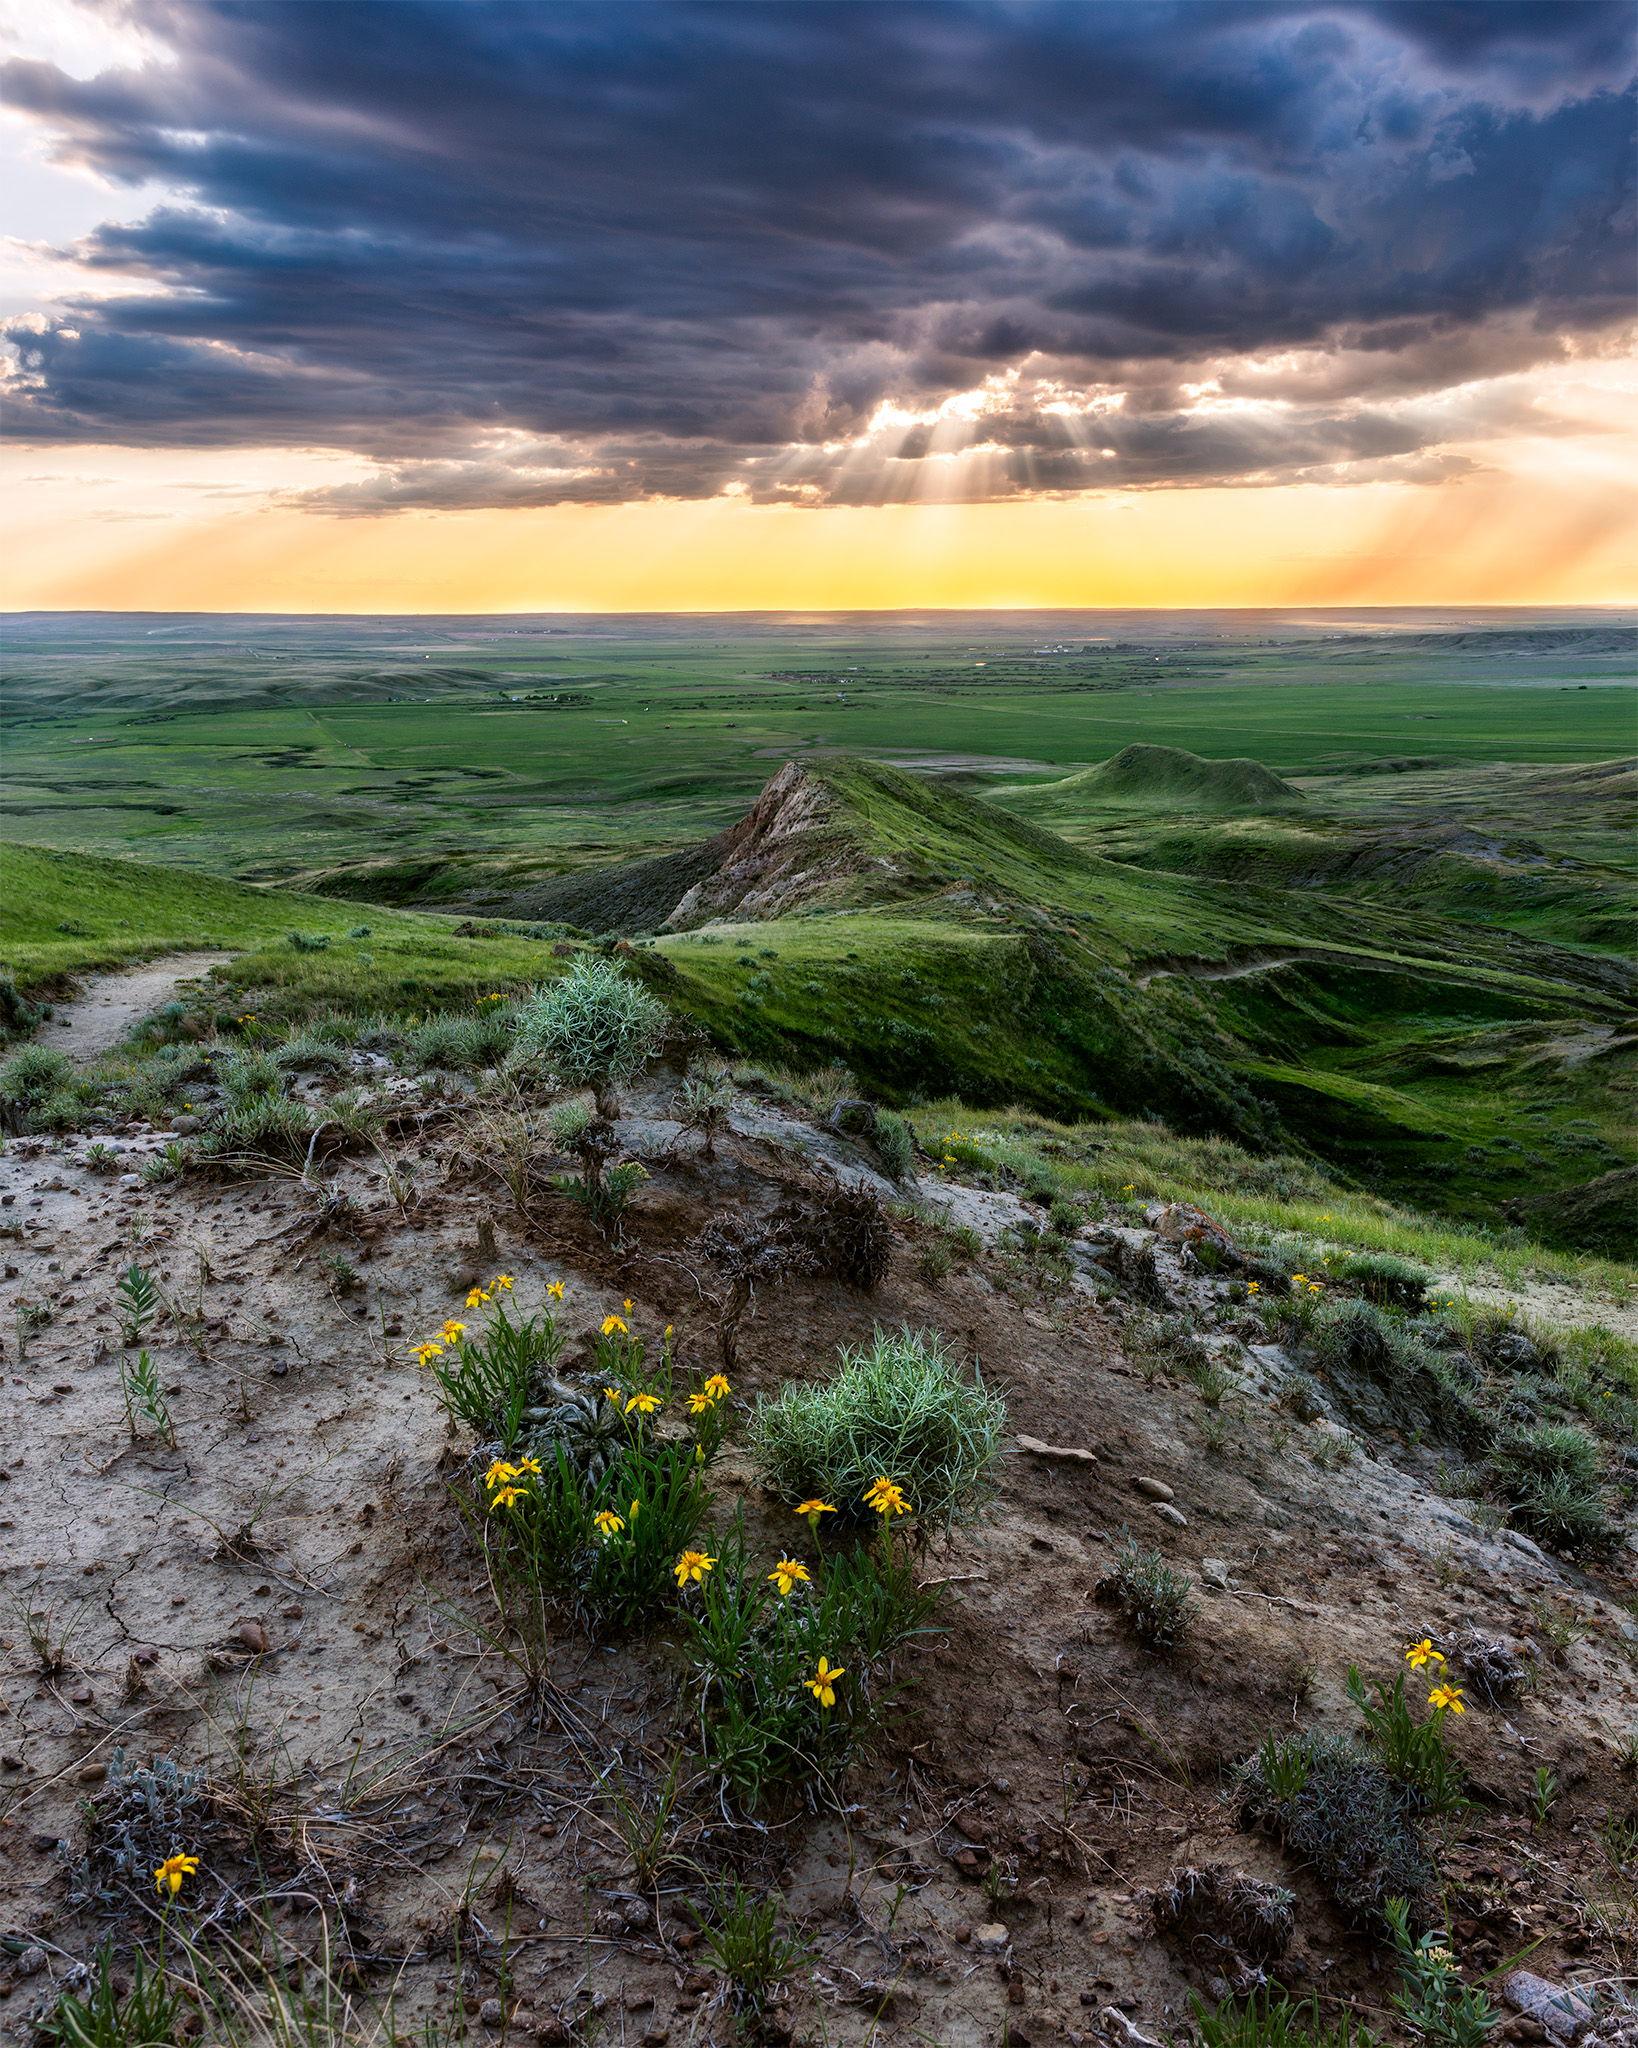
(1413, 964)
(440, 760)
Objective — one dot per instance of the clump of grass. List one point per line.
(898, 1406)
(742, 1937)
(109, 2012)
(1550, 1478)
(703, 1104)
(259, 1126)
(310, 1051)
(1154, 1598)
(1388, 1281)
(1333, 1804)
(28, 1080)
(1266, 2022)
(895, 1147)
(935, 1259)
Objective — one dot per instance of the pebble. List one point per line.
(1214, 1572)
(1153, 1489)
(989, 1940)
(1168, 1513)
(491, 2012)
(33, 1960)
(1063, 1455)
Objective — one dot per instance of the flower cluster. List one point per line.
(502, 1478)
(452, 1331)
(886, 1499)
(1444, 1699)
(1301, 1282)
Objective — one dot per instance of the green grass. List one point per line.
(1264, 1197)
(277, 748)
(120, 911)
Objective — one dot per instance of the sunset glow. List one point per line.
(963, 306)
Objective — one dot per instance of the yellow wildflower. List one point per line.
(717, 1387)
(1423, 1653)
(476, 1298)
(614, 1394)
(811, 1510)
(556, 1290)
(452, 1330)
(529, 1465)
(499, 1473)
(699, 1403)
(613, 1323)
(1252, 1287)
(425, 1351)
(786, 1573)
(608, 1522)
(504, 1280)
(172, 1872)
(1447, 1698)
(645, 1404)
(628, 1305)
(886, 1498)
(693, 1564)
(823, 1682)
(506, 1497)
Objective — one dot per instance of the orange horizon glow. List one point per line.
(125, 530)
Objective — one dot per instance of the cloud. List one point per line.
(523, 254)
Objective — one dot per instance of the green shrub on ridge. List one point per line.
(898, 1407)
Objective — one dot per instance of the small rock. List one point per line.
(253, 1636)
(973, 1826)
(1168, 1513)
(491, 2012)
(551, 2031)
(964, 1933)
(1555, 2007)
(1214, 1572)
(1058, 1452)
(635, 1913)
(31, 1962)
(990, 1940)
(1153, 1489)
(187, 1126)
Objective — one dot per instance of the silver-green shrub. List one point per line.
(593, 1029)
(899, 1408)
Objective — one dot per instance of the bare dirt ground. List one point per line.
(99, 1016)
(286, 1597)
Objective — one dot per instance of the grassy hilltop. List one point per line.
(939, 945)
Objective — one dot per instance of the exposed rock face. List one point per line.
(779, 852)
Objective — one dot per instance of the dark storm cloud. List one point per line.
(518, 254)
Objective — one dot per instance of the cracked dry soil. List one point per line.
(281, 1596)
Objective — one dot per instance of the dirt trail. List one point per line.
(109, 1004)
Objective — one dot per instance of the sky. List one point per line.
(368, 305)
